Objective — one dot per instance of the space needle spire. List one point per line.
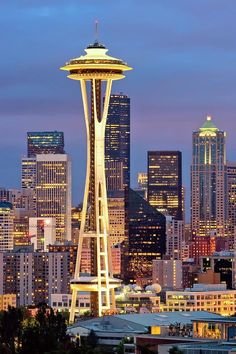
(96, 71)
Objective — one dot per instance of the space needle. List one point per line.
(96, 71)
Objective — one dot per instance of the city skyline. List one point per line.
(189, 74)
(118, 205)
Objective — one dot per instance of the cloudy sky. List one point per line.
(184, 57)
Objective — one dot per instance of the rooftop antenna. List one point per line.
(96, 31)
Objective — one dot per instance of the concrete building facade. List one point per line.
(167, 273)
(33, 276)
(6, 226)
(53, 192)
(214, 298)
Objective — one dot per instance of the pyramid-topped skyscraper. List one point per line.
(208, 181)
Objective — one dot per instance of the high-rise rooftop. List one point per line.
(45, 143)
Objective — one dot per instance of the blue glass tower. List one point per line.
(117, 142)
(45, 143)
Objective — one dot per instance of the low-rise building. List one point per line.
(7, 300)
(163, 344)
(207, 348)
(138, 302)
(212, 328)
(214, 298)
(62, 302)
(222, 263)
(110, 330)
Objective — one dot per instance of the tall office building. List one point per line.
(167, 273)
(28, 181)
(75, 223)
(21, 227)
(117, 140)
(146, 238)
(5, 195)
(117, 217)
(174, 237)
(22, 209)
(38, 143)
(165, 182)
(118, 228)
(142, 180)
(6, 226)
(208, 181)
(45, 143)
(69, 248)
(142, 183)
(231, 204)
(53, 191)
(114, 176)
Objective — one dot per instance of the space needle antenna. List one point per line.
(96, 30)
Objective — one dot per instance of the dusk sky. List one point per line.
(184, 57)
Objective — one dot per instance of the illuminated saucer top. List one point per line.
(96, 64)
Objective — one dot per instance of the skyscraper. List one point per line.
(5, 195)
(117, 217)
(167, 273)
(45, 143)
(174, 237)
(142, 184)
(165, 182)
(208, 181)
(38, 143)
(231, 204)
(95, 70)
(114, 176)
(146, 238)
(117, 139)
(28, 181)
(53, 192)
(142, 180)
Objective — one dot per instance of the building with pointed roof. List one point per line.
(208, 128)
(208, 181)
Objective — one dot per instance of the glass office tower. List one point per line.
(45, 143)
(208, 181)
(146, 238)
(117, 141)
(165, 182)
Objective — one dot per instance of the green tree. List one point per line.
(10, 329)
(66, 315)
(31, 339)
(175, 350)
(46, 333)
(92, 339)
(120, 346)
